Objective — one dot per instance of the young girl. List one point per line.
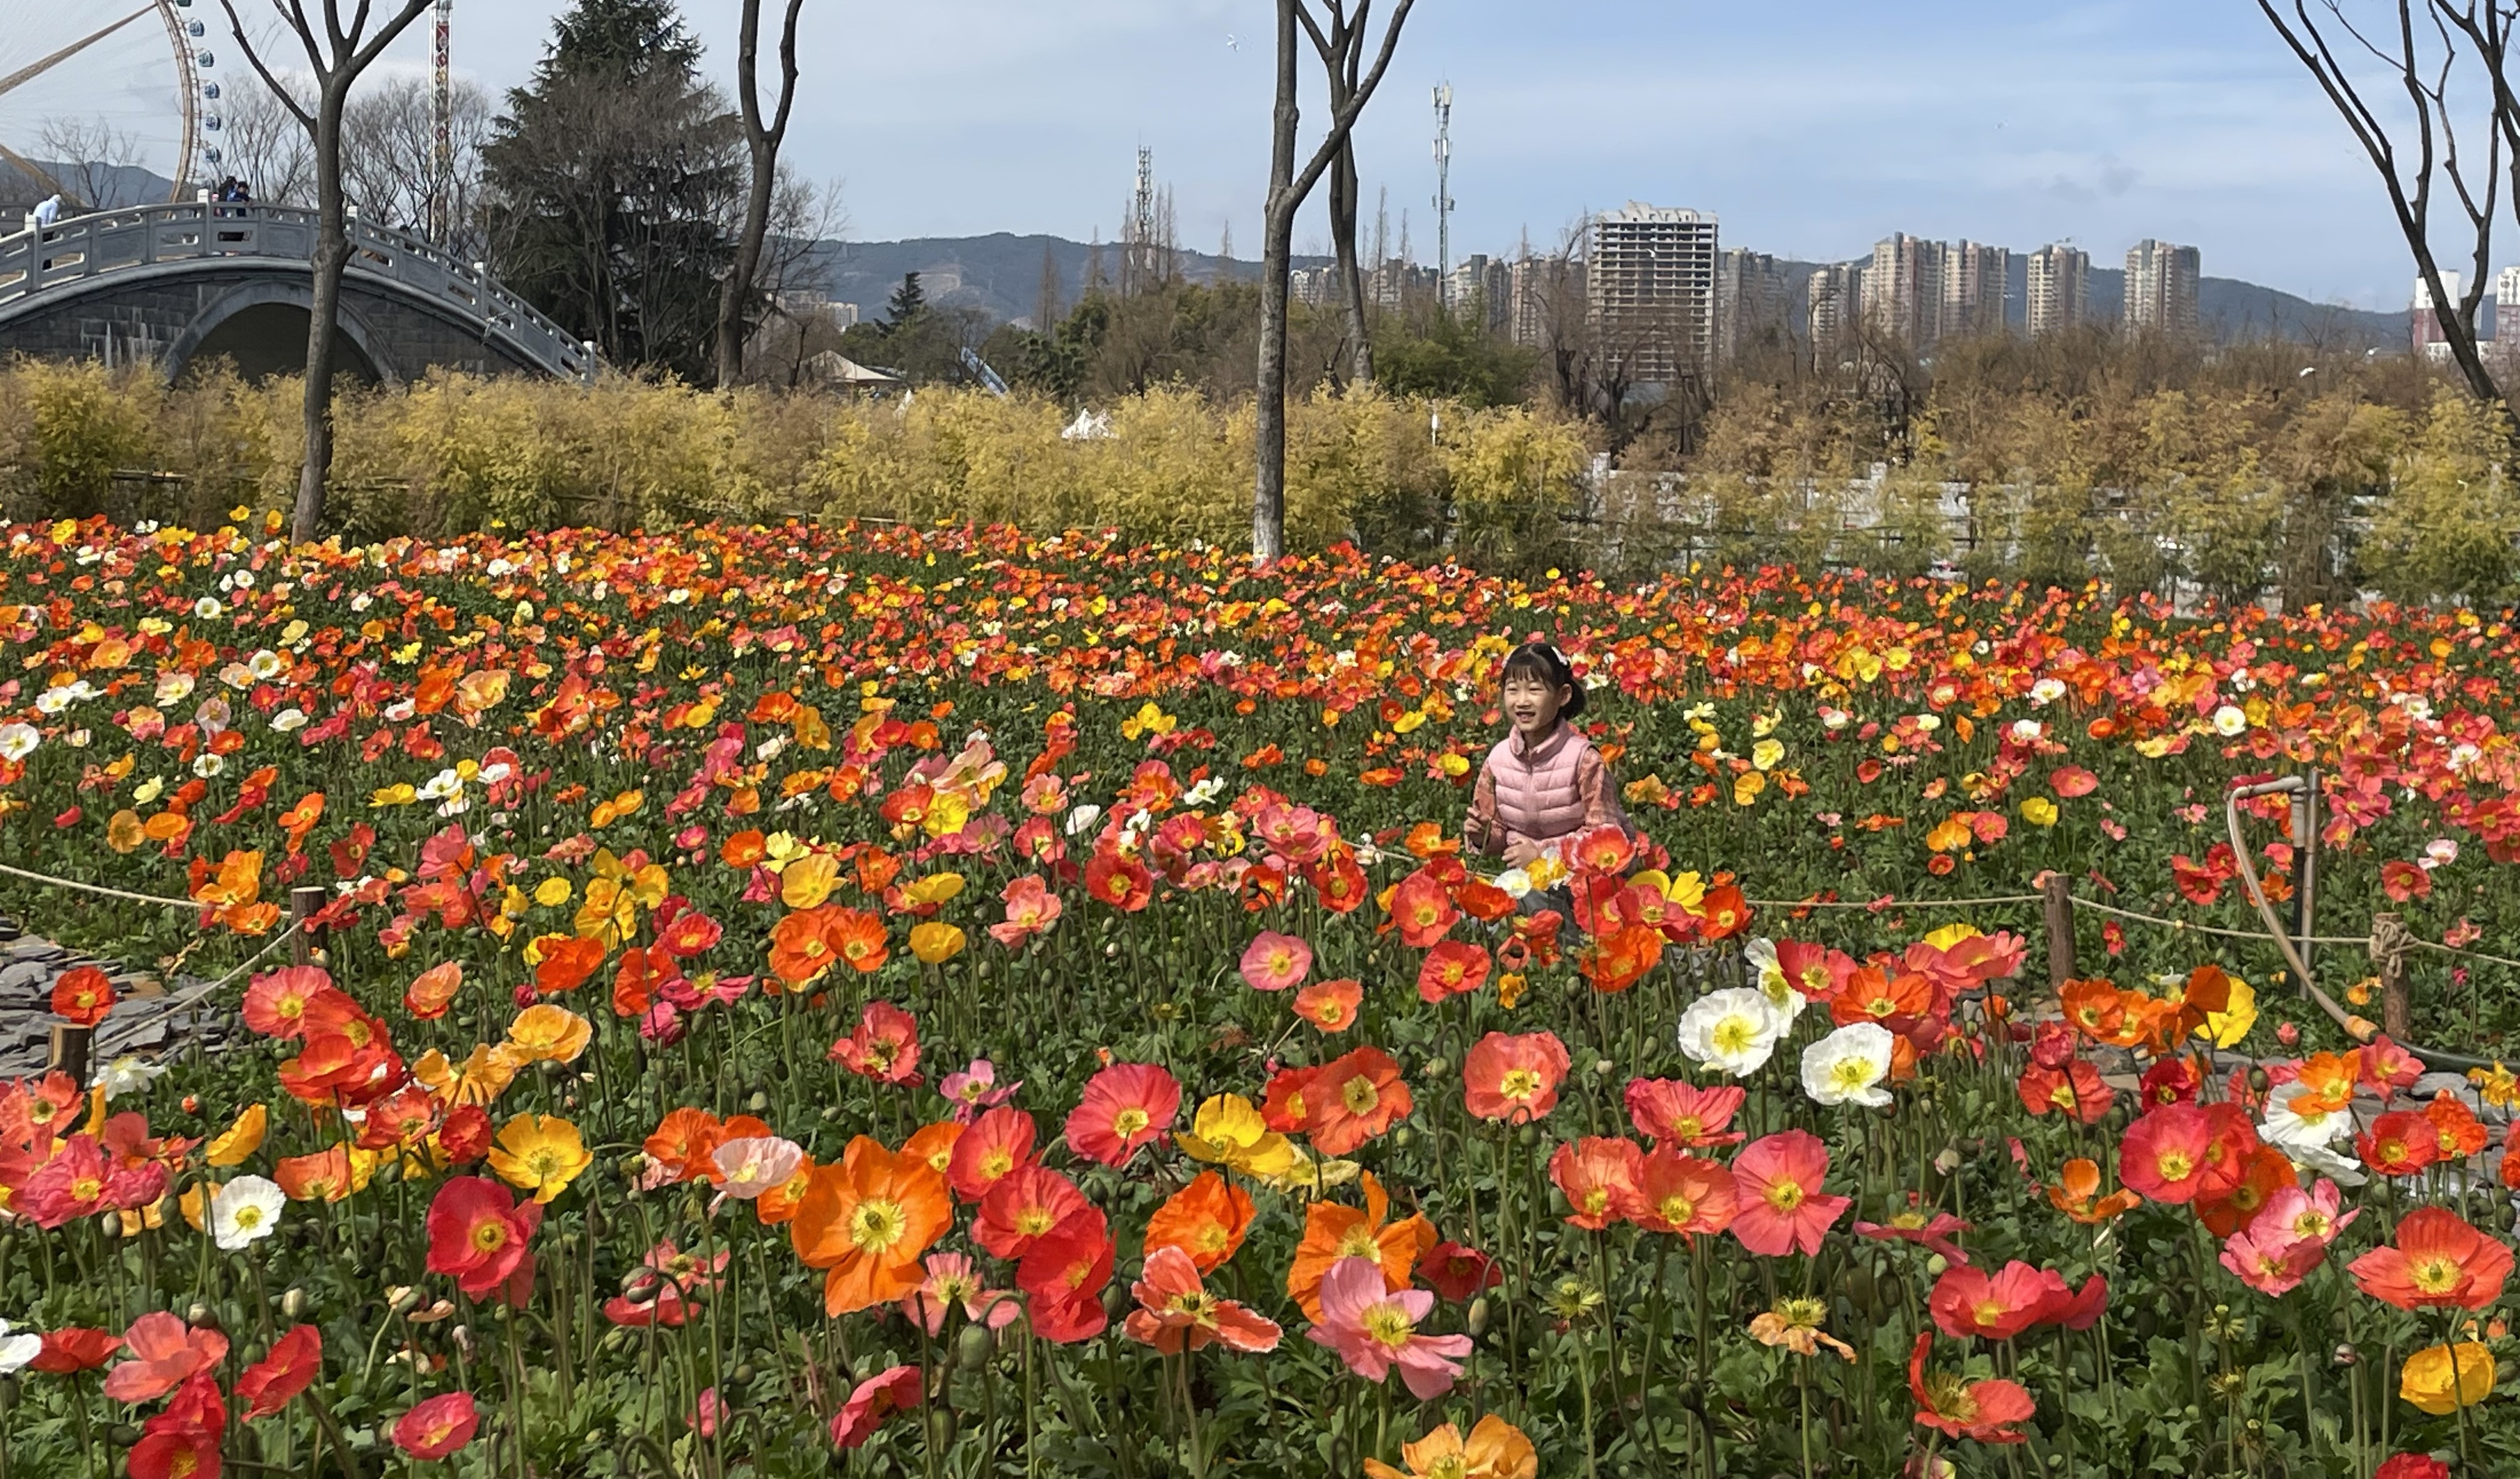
(1542, 783)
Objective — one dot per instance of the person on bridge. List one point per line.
(47, 212)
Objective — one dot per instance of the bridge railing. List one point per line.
(38, 261)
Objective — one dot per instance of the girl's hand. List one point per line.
(1520, 851)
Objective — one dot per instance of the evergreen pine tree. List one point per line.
(615, 184)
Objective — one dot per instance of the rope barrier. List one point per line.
(1886, 903)
(2190, 927)
(99, 888)
(2456, 951)
(184, 1001)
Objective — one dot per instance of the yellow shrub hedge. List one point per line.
(456, 452)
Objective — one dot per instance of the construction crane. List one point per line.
(441, 193)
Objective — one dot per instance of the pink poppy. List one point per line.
(876, 1398)
(1175, 1311)
(165, 1351)
(1783, 1207)
(1375, 1328)
(1275, 962)
(2270, 1258)
(952, 1280)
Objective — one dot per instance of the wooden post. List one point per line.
(2059, 907)
(2389, 961)
(69, 1050)
(303, 904)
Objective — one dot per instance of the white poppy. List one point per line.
(173, 688)
(1849, 1065)
(18, 740)
(125, 1074)
(1082, 818)
(16, 1351)
(1783, 999)
(1735, 1030)
(2230, 722)
(2293, 1131)
(247, 1210)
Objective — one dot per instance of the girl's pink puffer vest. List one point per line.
(1537, 796)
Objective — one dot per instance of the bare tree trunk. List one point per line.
(1287, 192)
(1277, 252)
(323, 307)
(1344, 190)
(338, 53)
(764, 140)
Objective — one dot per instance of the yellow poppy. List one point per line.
(541, 1153)
(239, 1140)
(934, 941)
(2441, 1382)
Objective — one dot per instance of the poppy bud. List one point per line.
(122, 1434)
(975, 1346)
(1936, 1264)
(2258, 1080)
(294, 1303)
(1478, 1318)
(202, 1316)
(1437, 1067)
(759, 1102)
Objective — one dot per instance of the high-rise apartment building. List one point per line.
(2424, 320)
(1903, 289)
(1479, 281)
(1542, 291)
(2161, 286)
(2060, 289)
(2507, 306)
(1975, 279)
(1832, 304)
(1749, 301)
(1649, 281)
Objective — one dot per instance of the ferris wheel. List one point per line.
(111, 102)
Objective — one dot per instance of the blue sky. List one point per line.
(1812, 130)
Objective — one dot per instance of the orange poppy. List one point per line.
(934, 1145)
(1330, 1006)
(801, 945)
(867, 1222)
(2077, 1194)
(1205, 1220)
(1334, 1231)
(1354, 1099)
(567, 963)
(858, 938)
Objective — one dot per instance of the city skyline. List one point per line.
(2097, 125)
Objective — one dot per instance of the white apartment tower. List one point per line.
(2161, 286)
(2424, 320)
(1749, 301)
(1975, 280)
(1649, 281)
(1833, 303)
(1903, 289)
(2060, 289)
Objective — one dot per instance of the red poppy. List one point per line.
(1024, 1206)
(1423, 909)
(437, 1427)
(83, 996)
(998, 1144)
(1354, 1099)
(1453, 968)
(885, 1048)
(1969, 1301)
(2163, 1155)
(1124, 1107)
(1513, 1077)
(271, 1383)
(1985, 1411)
(2438, 1261)
(275, 1003)
(1459, 1273)
(2074, 1090)
(2171, 1081)
(876, 1398)
(477, 1233)
(2401, 1143)
(465, 1136)
(1124, 884)
(71, 1350)
(2265, 1172)
(1668, 1111)
(1063, 1276)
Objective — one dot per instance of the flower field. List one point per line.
(805, 1000)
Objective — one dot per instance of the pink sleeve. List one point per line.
(1600, 804)
(1480, 831)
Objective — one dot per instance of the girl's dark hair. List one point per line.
(1539, 660)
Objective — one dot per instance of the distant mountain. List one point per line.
(1000, 274)
(115, 185)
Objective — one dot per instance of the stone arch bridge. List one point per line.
(175, 284)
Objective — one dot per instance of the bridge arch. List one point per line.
(171, 283)
(261, 326)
